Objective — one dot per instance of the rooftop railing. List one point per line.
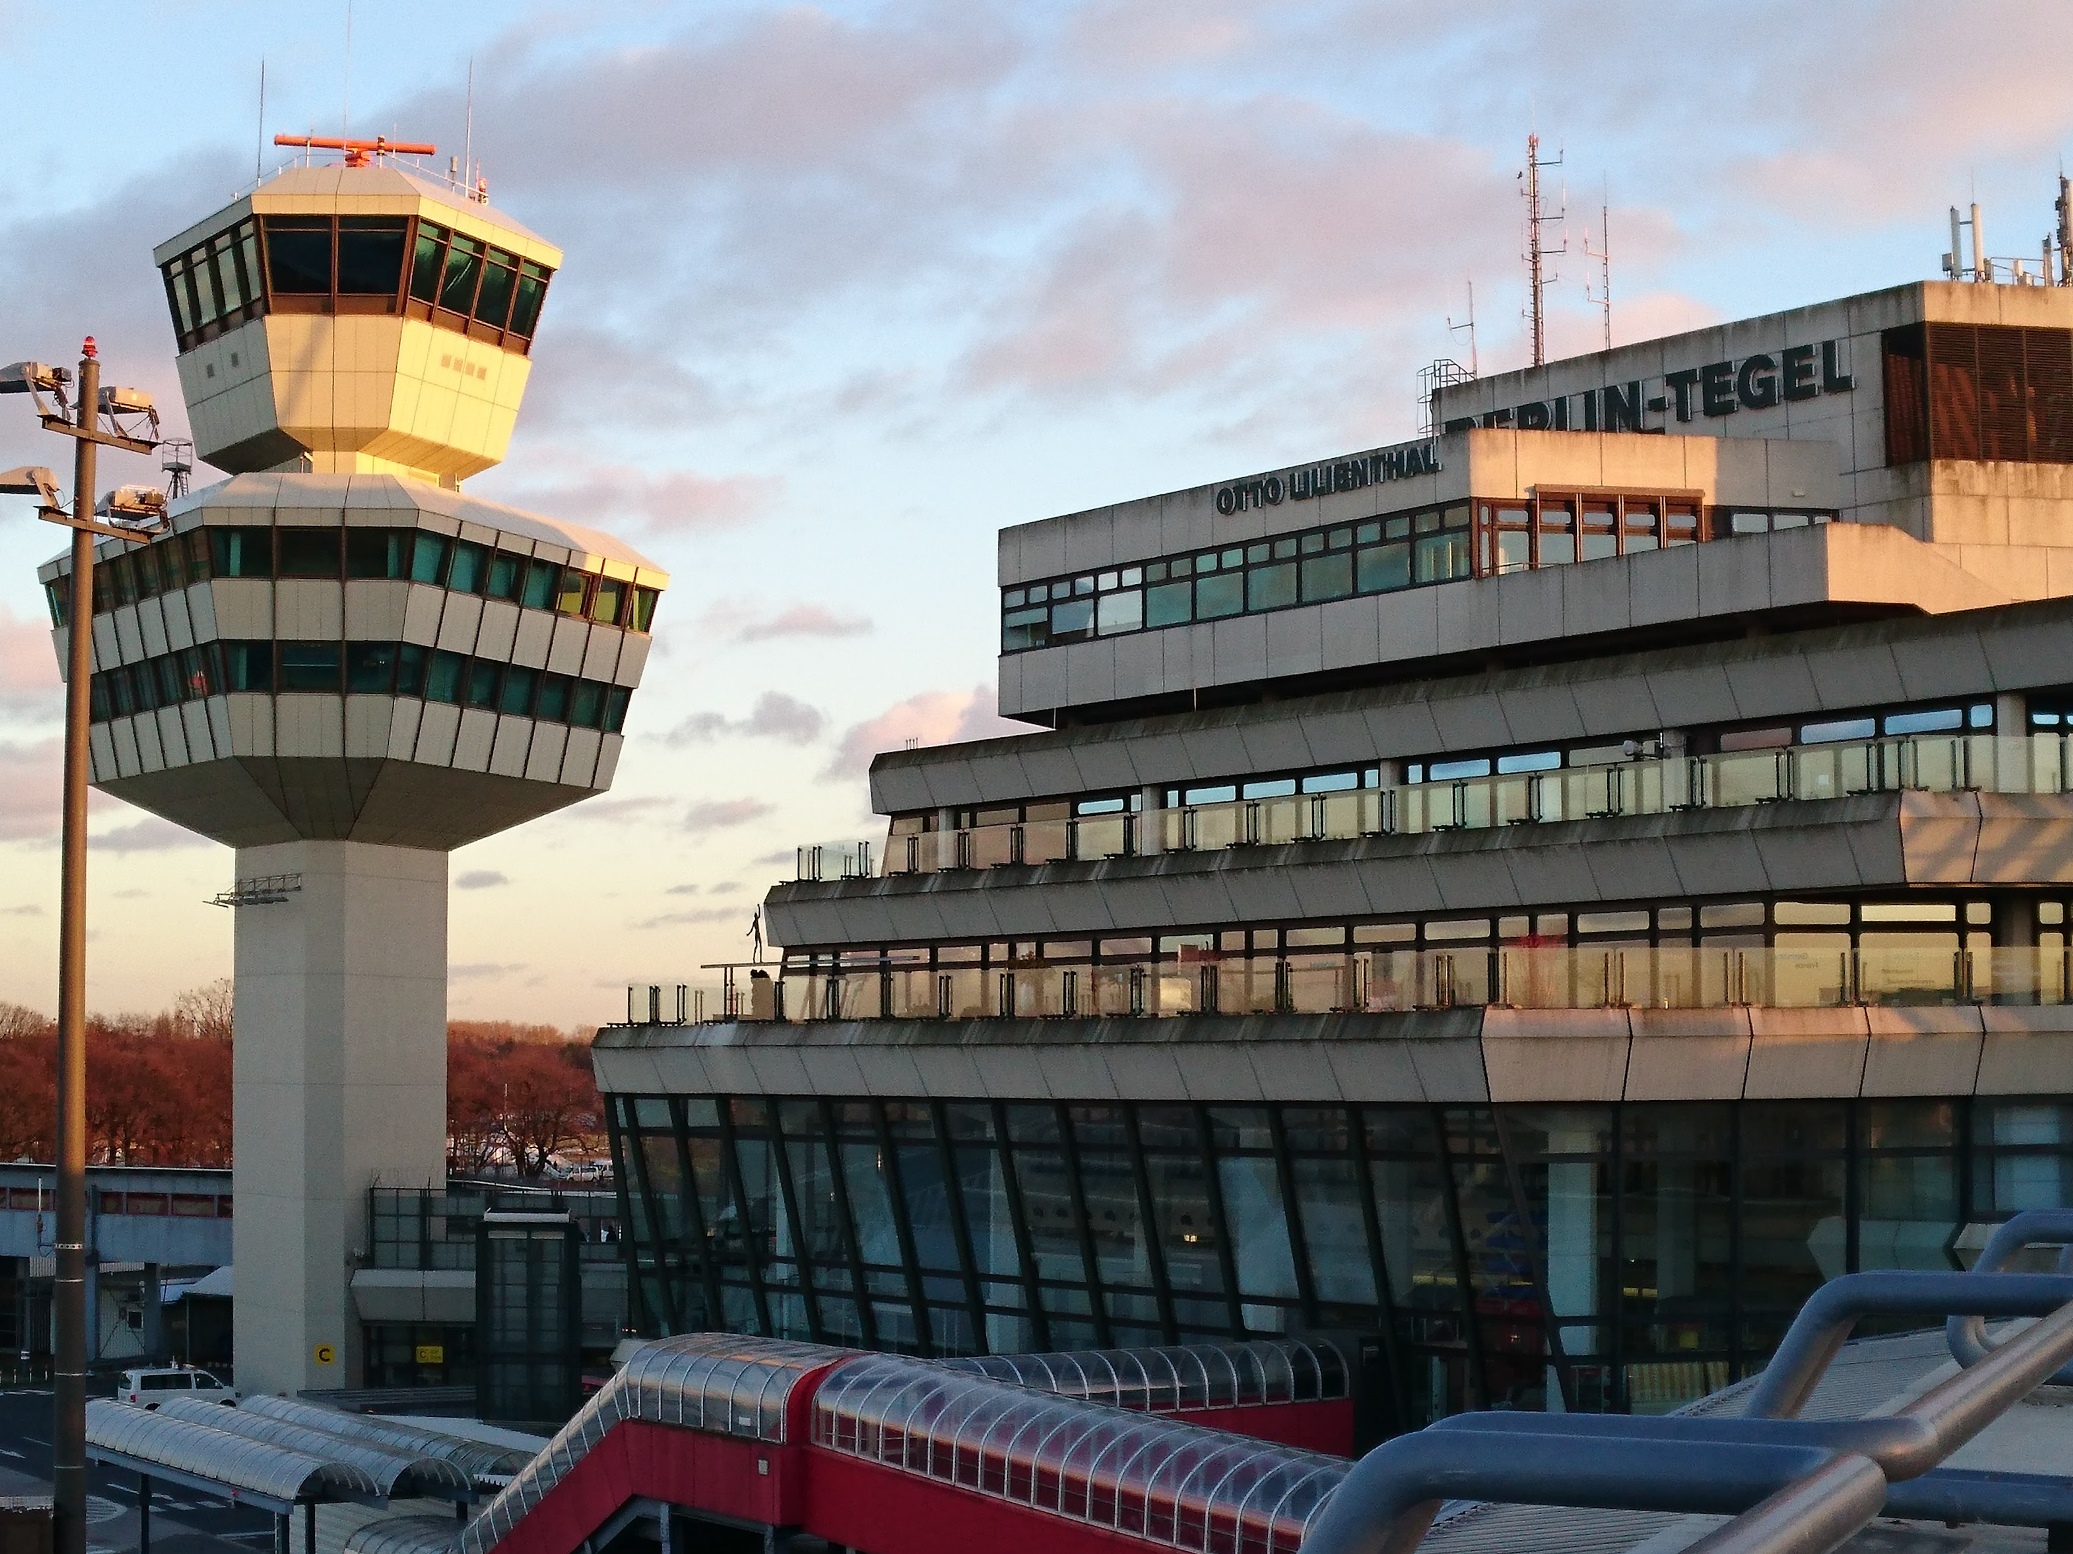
(2036, 763)
(1354, 980)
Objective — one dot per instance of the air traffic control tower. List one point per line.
(344, 668)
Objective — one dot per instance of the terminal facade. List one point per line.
(1546, 895)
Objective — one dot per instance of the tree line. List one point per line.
(519, 1098)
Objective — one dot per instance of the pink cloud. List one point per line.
(804, 620)
(29, 679)
(930, 718)
(31, 776)
(669, 501)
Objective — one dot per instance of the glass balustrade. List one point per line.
(1355, 981)
(1939, 764)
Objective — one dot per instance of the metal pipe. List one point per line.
(68, 1293)
(1389, 1498)
(1967, 1334)
(1809, 1517)
(1824, 1323)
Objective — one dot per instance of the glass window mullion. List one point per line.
(1471, 1329)
(701, 1235)
(628, 1253)
(1213, 1186)
(1011, 1186)
(1104, 1332)
(1536, 1263)
(1385, 1295)
(1292, 1207)
(782, 1162)
(1148, 1218)
(736, 1183)
(867, 1315)
(903, 1229)
(665, 1319)
(960, 1229)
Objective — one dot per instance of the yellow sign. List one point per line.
(431, 1354)
(324, 1354)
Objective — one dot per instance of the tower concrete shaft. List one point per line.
(339, 1085)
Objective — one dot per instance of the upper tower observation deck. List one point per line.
(355, 318)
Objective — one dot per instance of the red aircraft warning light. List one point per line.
(358, 151)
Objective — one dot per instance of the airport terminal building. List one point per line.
(1545, 895)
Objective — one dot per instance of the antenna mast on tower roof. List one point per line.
(1537, 252)
(1603, 254)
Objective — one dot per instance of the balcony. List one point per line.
(1381, 981)
(2037, 763)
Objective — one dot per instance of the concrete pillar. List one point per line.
(946, 839)
(339, 1083)
(1149, 841)
(154, 1331)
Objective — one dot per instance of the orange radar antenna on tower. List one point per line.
(358, 151)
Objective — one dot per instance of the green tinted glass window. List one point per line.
(463, 271)
(493, 302)
(298, 255)
(517, 695)
(428, 557)
(443, 676)
(1222, 594)
(470, 562)
(1384, 567)
(574, 587)
(377, 553)
(370, 667)
(615, 708)
(505, 570)
(241, 552)
(587, 704)
(532, 291)
(309, 666)
(1328, 576)
(1169, 604)
(1269, 588)
(644, 608)
(425, 263)
(542, 578)
(370, 255)
(307, 552)
(482, 683)
(410, 669)
(553, 701)
(604, 603)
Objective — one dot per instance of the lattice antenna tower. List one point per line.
(1601, 298)
(1538, 252)
(176, 458)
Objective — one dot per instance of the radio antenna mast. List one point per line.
(259, 143)
(1470, 327)
(1537, 251)
(1603, 254)
(468, 137)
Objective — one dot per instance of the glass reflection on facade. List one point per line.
(1593, 1257)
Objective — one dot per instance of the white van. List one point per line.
(150, 1387)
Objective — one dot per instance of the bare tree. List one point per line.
(205, 1010)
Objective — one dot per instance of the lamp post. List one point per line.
(93, 407)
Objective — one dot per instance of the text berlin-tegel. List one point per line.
(1757, 382)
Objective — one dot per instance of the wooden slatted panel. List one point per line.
(1907, 395)
(1953, 391)
(2048, 365)
(2004, 411)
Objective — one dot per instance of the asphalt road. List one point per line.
(183, 1521)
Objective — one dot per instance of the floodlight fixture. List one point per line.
(37, 379)
(31, 480)
(127, 401)
(133, 502)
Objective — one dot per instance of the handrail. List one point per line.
(1967, 1334)
(1838, 1472)
(2036, 762)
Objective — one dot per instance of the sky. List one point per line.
(849, 287)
